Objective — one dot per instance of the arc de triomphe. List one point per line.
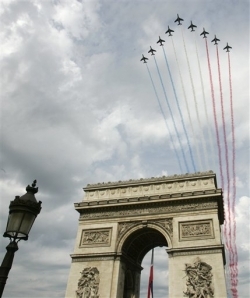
(121, 221)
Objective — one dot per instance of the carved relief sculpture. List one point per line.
(168, 225)
(95, 237)
(199, 229)
(196, 230)
(88, 284)
(199, 280)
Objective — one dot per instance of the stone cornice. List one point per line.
(141, 181)
(197, 251)
(94, 257)
(105, 257)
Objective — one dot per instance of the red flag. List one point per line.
(151, 276)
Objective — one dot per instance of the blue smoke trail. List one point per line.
(195, 101)
(183, 154)
(177, 102)
(187, 107)
(165, 120)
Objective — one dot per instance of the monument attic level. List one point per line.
(121, 221)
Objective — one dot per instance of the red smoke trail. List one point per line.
(219, 152)
(226, 151)
(215, 116)
(234, 176)
(232, 238)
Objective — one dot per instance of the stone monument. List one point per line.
(121, 221)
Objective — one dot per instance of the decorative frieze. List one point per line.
(163, 187)
(96, 237)
(198, 280)
(88, 284)
(143, 210)
(196, 230)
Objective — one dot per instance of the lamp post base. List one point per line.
(7, 264)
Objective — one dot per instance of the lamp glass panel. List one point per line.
(14, 222)
(27, 223)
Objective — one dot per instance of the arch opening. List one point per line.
(160, 273)
(135, 247)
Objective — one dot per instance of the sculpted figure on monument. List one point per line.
(90, 237)
(199, 280)
(88, 284)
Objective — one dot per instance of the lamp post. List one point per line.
(22, 214)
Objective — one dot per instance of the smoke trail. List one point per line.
(226, 148)
(232, 242)
(215, 116)
(234, 173)
(187, 107)
(177, 156)
(178, 105)
(217, 132)
(196, 105)
(205, 104)
(169, 107)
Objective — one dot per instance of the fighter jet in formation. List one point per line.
(204, 33)
(144, 59)
(192, 26)
(215, 40)
(151, 51)
(160, 41)
(169, 31)
(179, 20)
(227, 47)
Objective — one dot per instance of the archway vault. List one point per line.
(139, 240)
(121, 221)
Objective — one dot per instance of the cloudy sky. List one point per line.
(78, 107)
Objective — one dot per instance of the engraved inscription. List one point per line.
(199, 280)
(88, 284)
(101, 236)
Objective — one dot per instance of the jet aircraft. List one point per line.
(204, 33)
(169, 31)
(161, 41)
(151, 51)
(179, 20)
(215, 40)
(227, 47)
(192, 26)
(144, 59)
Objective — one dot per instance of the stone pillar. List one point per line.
(197, 272)
(197, 259)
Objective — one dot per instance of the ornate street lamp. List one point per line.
(22, 214)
